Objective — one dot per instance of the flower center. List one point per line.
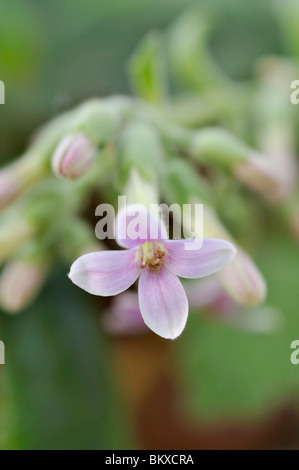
(152, 254)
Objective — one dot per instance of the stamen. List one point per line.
(152, 255)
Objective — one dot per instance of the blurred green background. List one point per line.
(228, 388)
(56, 54)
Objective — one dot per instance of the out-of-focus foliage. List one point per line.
(228, 373)
(60, 386)
(54, 54)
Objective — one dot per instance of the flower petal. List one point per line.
(210, 258)
(135, 225)
(124, 316)
(105, 272)
(163, 302)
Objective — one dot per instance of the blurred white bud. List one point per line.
(14, 232)
(9, 187)
(273, 176)
(73, 156)
(209, 294)
(20, 281)
(243, 280)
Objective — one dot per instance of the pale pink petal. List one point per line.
(105, 272)
(203, 292)
(124, 316)
(163, 302)
(135, 225)
(210, 258)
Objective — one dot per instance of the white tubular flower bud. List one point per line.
(20, 282)
(13, 233)
(9, 187)
(243, 280)
(272, 176)
(73, 156)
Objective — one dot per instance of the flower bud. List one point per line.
(276, 171)
(241, 278)
(243, 281)
(257, 173)
(9, 187)
(20, 281)
(209, 294)
(273, 176)
(19, 175)
(73, 156)
(15, 230)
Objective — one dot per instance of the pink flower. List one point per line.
(158, 261)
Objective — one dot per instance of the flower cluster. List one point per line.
(197, 147)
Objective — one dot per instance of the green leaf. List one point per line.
(188, 53)
(147, 71)
(286, 13)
